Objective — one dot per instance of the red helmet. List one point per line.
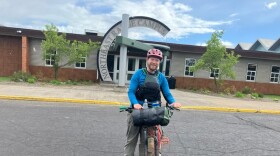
(155, 52)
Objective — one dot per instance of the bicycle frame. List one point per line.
(152, 147)
(154, 132)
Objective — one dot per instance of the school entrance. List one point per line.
(133, 63)
(108, 64)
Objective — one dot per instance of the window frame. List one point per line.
(251, 72)
(51, 59)
(189, 72)
(85, 62)
(274, 73)
(215, 69)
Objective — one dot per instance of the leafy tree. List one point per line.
(64, 52)
(217, 58)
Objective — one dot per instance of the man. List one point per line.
(146, 83)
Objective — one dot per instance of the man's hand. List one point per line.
(137, 106)
(176, 105)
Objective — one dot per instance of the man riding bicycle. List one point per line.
(146, 83)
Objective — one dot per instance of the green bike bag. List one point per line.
(152, 116)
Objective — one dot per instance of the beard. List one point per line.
(152, 67)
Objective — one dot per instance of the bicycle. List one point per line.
(152, 134)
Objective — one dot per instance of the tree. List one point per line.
(216, 58)
(62, 52)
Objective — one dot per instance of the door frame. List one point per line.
(116, 71)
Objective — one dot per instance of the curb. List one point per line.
(101, 102)
(224, 109)
(28, 98)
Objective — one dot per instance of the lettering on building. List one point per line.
(114, 31)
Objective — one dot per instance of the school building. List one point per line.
(258, 66)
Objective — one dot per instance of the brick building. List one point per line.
(258, 66)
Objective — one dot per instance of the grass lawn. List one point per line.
(54, 82)
(273, 97)
(3, 79)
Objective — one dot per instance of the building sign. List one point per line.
(115, 30)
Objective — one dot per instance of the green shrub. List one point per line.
(204, 91)
(68, 82)
(254, 95)
(246, 90)
(31, 80)
(55, 82)
(71, 82)
(227, 91)
(239, 94)
(261, 95)
(194, 89)
(21, 76)
(230, 90)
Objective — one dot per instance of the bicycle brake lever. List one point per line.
(177, 109)
(173, 108)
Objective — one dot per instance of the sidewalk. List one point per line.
(112, 95)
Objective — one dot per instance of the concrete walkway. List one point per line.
(112, 95)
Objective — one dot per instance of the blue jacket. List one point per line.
(138, 79)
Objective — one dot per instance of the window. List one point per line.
(142, 63)
(131, 64)
(81, 63)
(251, 72)
(188, 64)
(215, 72)
(274, 77)
(110, 64)
(49, 61)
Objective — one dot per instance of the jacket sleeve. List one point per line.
(165, 89)
(134, 82)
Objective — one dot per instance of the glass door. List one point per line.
(116, 69)
(132, 65)
(131, 68)
(142, 63)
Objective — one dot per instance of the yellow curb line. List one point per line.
(224, 109)
(27, 98)
(220, 109)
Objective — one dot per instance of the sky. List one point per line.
(191, 21)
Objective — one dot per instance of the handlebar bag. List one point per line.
(152, 116)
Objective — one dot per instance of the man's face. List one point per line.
(153, 63)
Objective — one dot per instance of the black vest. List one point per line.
(150, 90)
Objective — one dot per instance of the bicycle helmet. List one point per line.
(155, 53)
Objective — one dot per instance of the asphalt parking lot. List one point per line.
(32, 128)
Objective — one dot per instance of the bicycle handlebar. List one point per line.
(129, 109)
(173, 108)
(125, 108)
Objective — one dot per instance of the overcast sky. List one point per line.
(190, 21)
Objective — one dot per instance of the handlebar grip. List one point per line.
(123, 108)
(178, 109)
(173, 108)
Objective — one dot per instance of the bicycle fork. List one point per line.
(151, 141)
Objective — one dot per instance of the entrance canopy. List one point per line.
(141, 48)
(120, 40)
